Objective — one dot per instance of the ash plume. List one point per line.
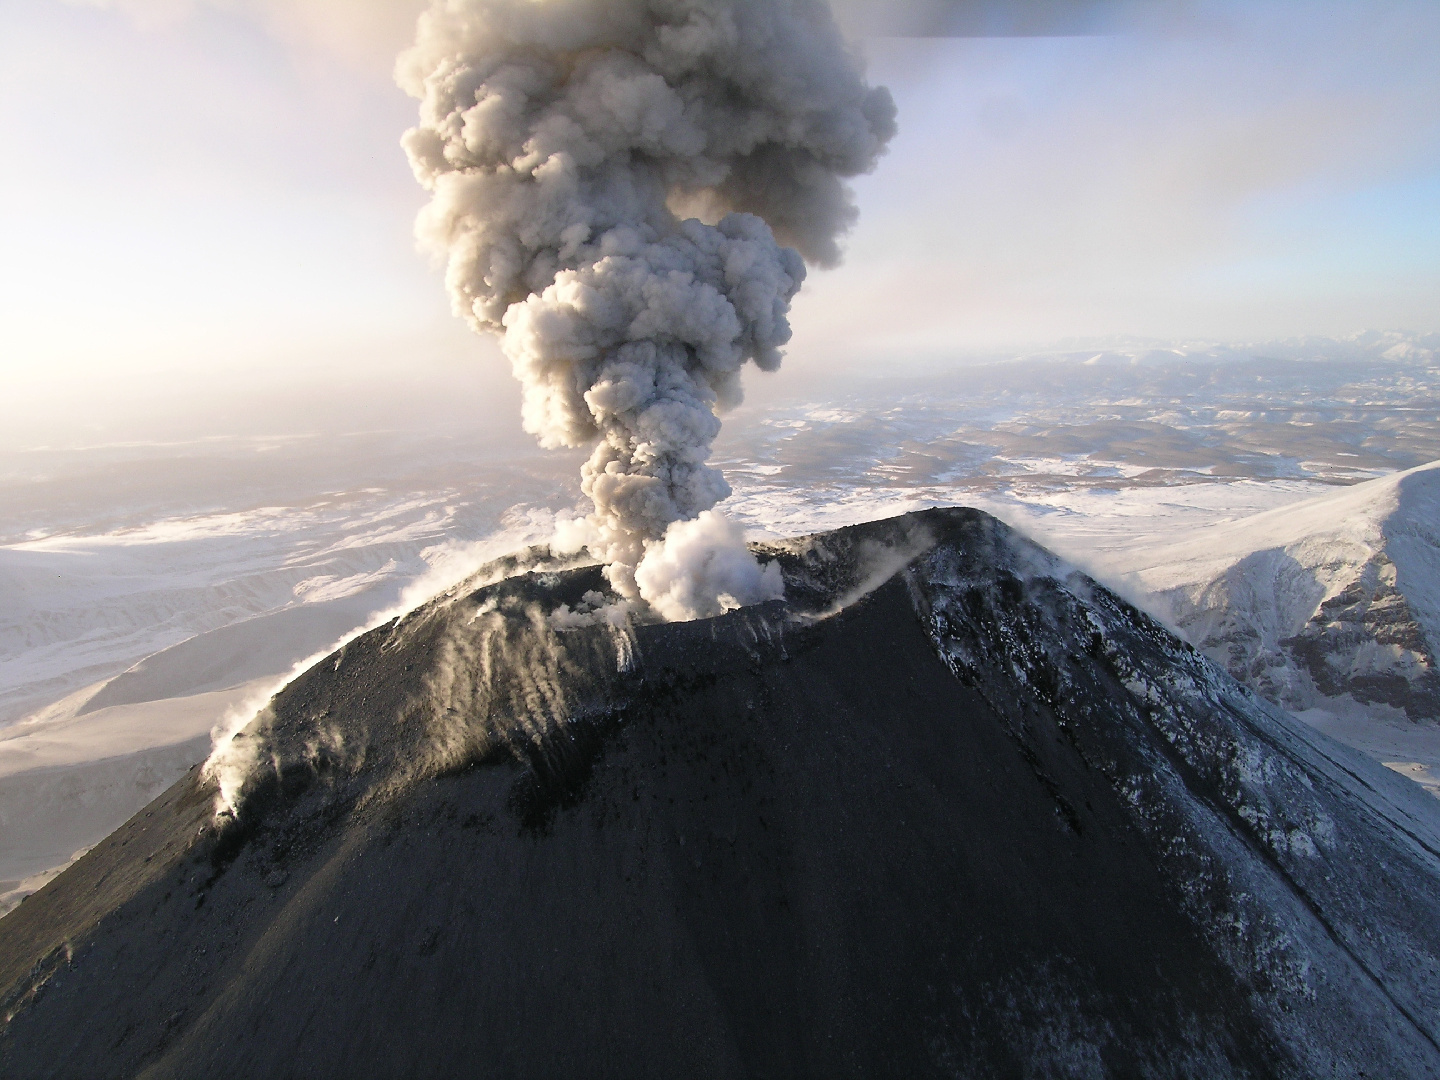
(626, 191)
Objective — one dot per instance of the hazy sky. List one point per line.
(205, 202)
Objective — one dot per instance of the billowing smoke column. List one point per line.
(613, 181)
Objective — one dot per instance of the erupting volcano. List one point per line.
(950, 809)
(613, 186)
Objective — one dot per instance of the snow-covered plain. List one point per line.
(150, 589)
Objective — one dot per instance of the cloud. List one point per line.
(624, 193)
(703, 569)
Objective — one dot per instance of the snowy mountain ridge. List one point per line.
(1332, 603)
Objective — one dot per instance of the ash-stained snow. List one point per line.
(1289, 847)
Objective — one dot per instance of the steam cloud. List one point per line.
(624, 190)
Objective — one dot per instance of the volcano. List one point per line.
(950, 809)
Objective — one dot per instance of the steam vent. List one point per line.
(950, 809)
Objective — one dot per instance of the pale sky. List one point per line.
(203, 203)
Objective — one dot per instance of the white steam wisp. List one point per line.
(623, 190)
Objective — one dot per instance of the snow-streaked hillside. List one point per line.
(1330, 604)
(994, 818)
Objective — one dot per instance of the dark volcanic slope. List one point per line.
(953, 810)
